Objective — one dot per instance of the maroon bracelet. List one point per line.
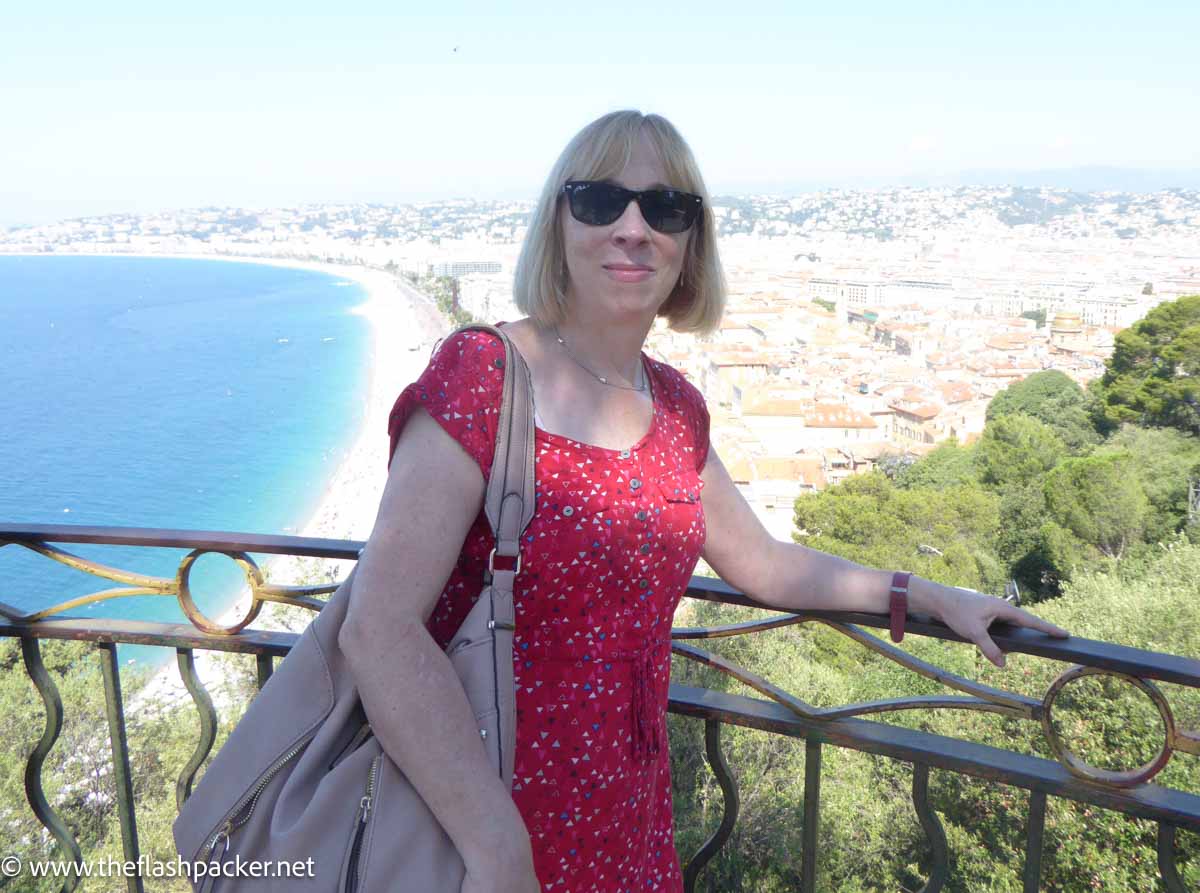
(898, 603)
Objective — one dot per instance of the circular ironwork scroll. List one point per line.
(1127, 778)
(254, 579)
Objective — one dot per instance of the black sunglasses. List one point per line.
(597, 203)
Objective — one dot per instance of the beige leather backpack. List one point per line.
(301, 776)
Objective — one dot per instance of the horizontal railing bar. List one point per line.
(221, 541)
(1077, 650)
(143, 632)
(1147, 801)
(1119, 658)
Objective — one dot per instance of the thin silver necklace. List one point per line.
(600, 378)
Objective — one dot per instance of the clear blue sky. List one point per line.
(134, 106)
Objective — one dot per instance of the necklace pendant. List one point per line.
(603, 380)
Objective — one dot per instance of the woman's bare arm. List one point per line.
(797, 578)
(412, 697)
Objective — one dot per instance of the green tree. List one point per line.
(949, 465)
(1100, 500)
(893, 465)
(1153, 376)
(1016, 450)
(1166, 461)
(1054, 399)
(941, 534)
(1038, 316)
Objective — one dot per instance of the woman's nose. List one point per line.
(631, 226)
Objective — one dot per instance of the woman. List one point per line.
(623, 233)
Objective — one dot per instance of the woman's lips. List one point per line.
(629, 272)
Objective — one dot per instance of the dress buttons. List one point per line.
(568, 511)
(644, 548)
(625, 454)
(641, 516)
(635, 483)
(643, 584)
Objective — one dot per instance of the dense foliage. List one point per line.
(1152, 378)
(162, 734)
(869, 838)
(1071, 491)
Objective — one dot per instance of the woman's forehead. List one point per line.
(636, 165)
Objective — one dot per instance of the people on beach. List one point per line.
(630, 495)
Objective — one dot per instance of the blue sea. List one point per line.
(163, 392)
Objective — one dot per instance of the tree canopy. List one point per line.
(1100, 500)
(950, 465)
(1165, 462)
(1016, 450)
(945, 535)
(1052, 398)
(1153, 377)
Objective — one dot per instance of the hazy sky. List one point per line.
(127, 106)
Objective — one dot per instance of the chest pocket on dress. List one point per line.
(683, 513)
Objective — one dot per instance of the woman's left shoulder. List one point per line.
(683, 400)
(675, 387)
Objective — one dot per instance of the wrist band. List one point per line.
(898, 603)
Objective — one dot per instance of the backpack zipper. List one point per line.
(245, 807)
(364, 813)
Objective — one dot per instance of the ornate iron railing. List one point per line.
(1129, 792)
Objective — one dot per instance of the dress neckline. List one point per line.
(655, 412)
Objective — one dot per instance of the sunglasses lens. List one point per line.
(597, 204)
(667, 211)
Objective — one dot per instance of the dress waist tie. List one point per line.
(646, 716)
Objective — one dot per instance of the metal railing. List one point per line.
(1129, 792)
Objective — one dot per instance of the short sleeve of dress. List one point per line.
(686, 400)
(702, 432)
(461, 389)
(700, 422)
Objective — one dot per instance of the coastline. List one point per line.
(404, 327)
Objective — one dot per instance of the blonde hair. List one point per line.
(601, 151)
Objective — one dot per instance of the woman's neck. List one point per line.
(604, 347)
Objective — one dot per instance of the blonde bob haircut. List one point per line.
(600, 152)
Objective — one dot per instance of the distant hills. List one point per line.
(1085, 179)
(1096, 178)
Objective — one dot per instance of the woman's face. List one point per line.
(624, 270)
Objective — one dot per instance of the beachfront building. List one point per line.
(457, 268)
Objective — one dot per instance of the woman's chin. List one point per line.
(629, 302)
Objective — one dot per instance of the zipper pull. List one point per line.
(222, 834)
(364, 806)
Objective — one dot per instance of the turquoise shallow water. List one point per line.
(162, 392)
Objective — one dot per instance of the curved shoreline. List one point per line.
(404, 327)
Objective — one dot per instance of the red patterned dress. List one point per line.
(607, 556)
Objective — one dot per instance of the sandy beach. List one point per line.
(404, 325)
